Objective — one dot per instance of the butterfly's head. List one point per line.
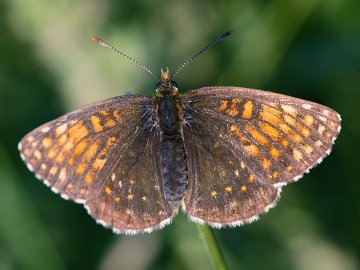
(166, 86)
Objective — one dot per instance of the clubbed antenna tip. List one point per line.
(100, 42)
(226, 34)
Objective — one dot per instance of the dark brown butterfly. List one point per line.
(222, 153)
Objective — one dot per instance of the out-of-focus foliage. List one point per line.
(48, 65)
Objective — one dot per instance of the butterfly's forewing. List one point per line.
(106, 156)
(242, 145)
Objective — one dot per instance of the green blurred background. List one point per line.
(48, 65)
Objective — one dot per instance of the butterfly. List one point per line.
(222, 154)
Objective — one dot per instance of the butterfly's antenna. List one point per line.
(224, 35)
(103, 43)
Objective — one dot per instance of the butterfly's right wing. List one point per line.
(105, 156)
(242, 145)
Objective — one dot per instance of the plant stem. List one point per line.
(212, 247)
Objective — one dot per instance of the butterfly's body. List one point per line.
(173, 160)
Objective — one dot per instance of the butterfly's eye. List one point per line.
(174, 84)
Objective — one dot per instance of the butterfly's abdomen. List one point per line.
(173, 165)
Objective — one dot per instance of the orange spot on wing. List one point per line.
(69, 186)
(53, 151)
(297, 154)
(274, 153)
(46, 142)
(81, 168)
(243, 188)
(80, 147)
(26, 151)
(60, 158)
(289, 168)
(117, 199)
(308, 149)
(228, 188)
(62, 174)
(251, 178)
(37, 154)
(99, 163)
(296, 137)
(285, 128)
(305, 132)
(88, 178)
(117, 115)
(256, 135)
(104, 113)
(285, 143)
(77, 132)
(266, 164)
(53, 170)
(62, 139)
(96, 123)
(83, 192)
(108, 190)
(213, 193)
(322, 118)
(252, 149)
(61, 129)
(144, 198)
(318, 143)
(110, 123)
(248, 108)
(223, 105)
(68, 146)
(45, 129)
(130, 196)
(269, 130)
(235, 101)
(308, 120)
(288, 119)
(321, 129)
(92, 150)
(289, 109)
(270, 115)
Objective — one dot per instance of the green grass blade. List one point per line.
(212, 247)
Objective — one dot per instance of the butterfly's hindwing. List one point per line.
(222, 189)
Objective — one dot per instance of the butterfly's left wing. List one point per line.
(105, 156)
(242, 145)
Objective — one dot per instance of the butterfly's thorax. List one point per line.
(173, 166)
